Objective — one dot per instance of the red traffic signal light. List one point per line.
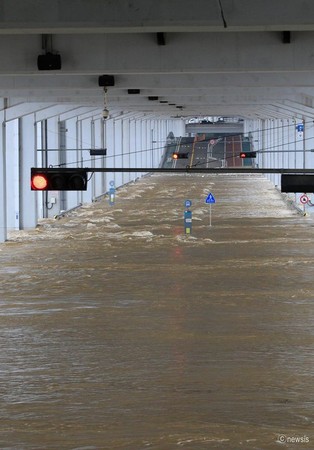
(248, 155)
(39, 182)
(178, 155)
(56, 179)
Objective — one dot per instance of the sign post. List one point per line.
(188, 217)
(304, 199)
(112, 193)
(210, 199)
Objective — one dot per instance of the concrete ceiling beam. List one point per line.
(90, 16)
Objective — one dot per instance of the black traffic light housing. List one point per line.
(297, 183)
(247, 155)
(58, 179)
(177, 155)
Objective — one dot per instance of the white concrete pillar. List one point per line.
(132, 147)
(53, 154)
(99, 161)
(28, 159)
(178, 127)
(155, 141)
(110, 144)
(84, 159)
(157, 145)
(126, 148)
(277, 149)
(299, 144)
(285, 143)
(265, 140)
(162, 139)
(151, 139)
(103, 144)
(309, 143)
(70, 155)
(291, 144)
(271, 148)
(3, 188)
(42, 161)
(260, 144)
(138, 146)
(146, 144)
(12, 170)
(253, 129)
(118, 144)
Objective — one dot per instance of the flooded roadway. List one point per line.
(117, 331)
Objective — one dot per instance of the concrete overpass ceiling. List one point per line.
(216, 58)
(94, 16)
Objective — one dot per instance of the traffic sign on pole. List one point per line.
(304, 199)
(188, 217)
(210, 199)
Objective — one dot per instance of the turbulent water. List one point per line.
(118, 331)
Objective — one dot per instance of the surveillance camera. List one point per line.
(105, 114)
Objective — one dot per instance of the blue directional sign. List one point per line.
(300, 127)
(210, 198)
(188, 203)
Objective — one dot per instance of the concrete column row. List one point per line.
(283, 143)
(25, 143)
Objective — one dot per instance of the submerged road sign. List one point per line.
(304, 199)
(210, 198)
(188, 217)
(188, 221)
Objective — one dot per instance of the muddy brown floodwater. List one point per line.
(118, 331)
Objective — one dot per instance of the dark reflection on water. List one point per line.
(119, 332)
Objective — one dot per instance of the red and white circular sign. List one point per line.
(304, 199)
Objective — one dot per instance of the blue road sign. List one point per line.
(188, 203)
(300, 127)
(210, 198)
(188, 222)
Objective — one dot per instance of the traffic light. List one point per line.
(56, 179)
(297, 183)
(247, 155)
(178, 155)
